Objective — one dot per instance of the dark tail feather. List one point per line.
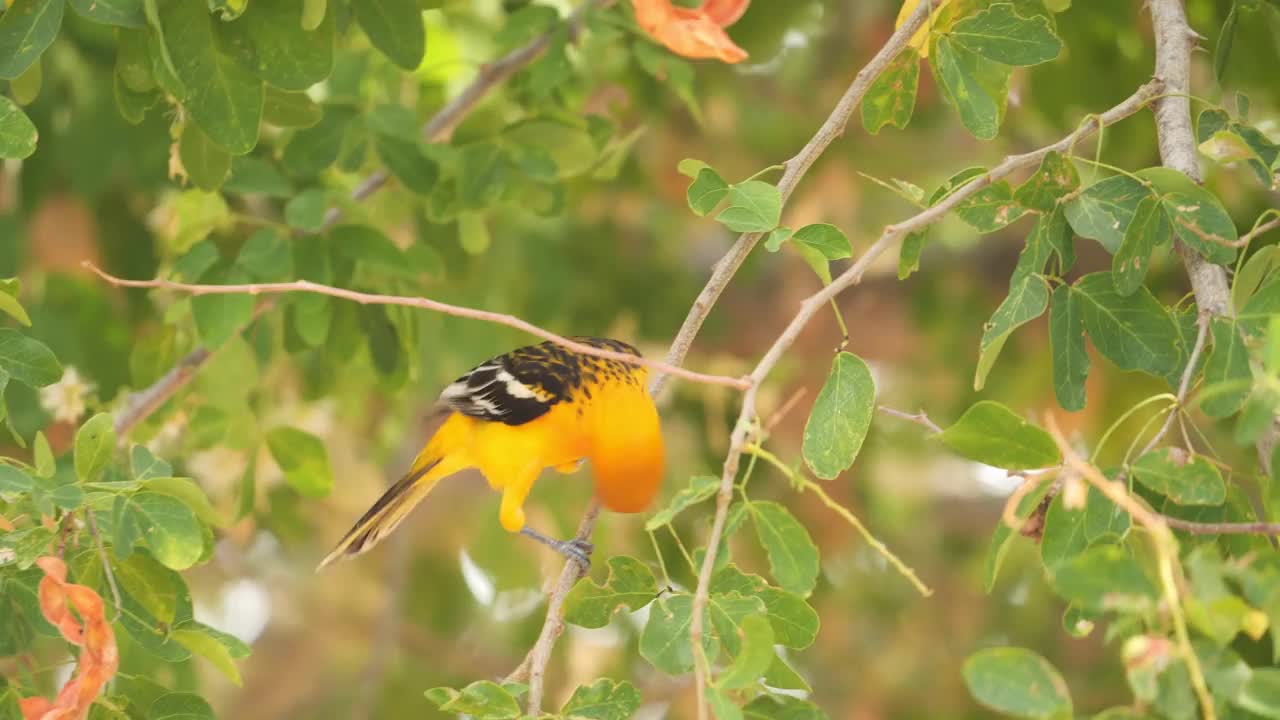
(386, 513)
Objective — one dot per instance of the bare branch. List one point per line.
(141, 404)
(811, 305)
(306, 286)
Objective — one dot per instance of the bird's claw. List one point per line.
(577, 550)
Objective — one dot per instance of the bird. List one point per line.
(518, 413)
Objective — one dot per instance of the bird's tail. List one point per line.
(390, 509)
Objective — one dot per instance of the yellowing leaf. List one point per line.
(919, 41)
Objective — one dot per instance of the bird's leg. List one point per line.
(576, 550)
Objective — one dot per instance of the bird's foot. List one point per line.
(576, 550)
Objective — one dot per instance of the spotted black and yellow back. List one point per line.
(523, 384)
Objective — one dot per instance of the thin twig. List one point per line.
(1184, 385)
(306, 286)
(787, 406)
(1166, 547)
(919, 418)
(144, 402)
(814, 303)
(106, 564)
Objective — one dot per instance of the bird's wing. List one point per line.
(516, 387)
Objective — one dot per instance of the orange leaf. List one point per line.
(693, 32)
(725, 12)
(100, 656)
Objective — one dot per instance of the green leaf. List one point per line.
(630, 584)
(723, 707)
(1197, 216)
(27, 28)
(121, 13)
(27, 361)
(603, 699)
(727, 611)
(1104, 518)
(991, 208)
(222, 97)
(793, 558)
(665, 641)
(909, 255)
(270, 41)
(303, 459)
(1017, 682)
(1027, 299)
(1104, 209)
(45, 464)
(1228, 363)
(841, 417)
(209, 649)
(1105, 577)
(1004, 536)
(180, 706)
(482, 699)
(706, 191)
(9, 305)
(754, 657)
(266, 257)
(1222, 50)
(969, 83)
(150, 584)
(1134, 332)
(191, 494)
(892, 96)
(1261, 693)
(289, 109)
(219, 316)
(826, 239)
(1066, 345)
(1054, 179)
(17, 133)
(1064, 534)
(754, 206)
(991, 433)
(1185, 480)
(165, 525)
(316, 148)
(395, 28)
(795, 624)
(1149, 227)
(700, 488)
(95, 443)
(306, 210)
(206, 163)
(1000, 34)
(406, 160)
(251, 175)
(14, 480)
(784, 677)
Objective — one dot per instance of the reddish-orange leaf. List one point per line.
(99, 658)
(692, 32)
(725, 12)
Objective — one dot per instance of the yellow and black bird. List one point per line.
(514, 415)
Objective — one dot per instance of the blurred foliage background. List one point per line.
(609, 248)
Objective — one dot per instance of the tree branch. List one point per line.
(1175, 42)
(811, 305)
(306, 286)
(141, 404)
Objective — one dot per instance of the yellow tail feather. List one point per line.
(390, 509)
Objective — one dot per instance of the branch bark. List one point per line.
(1175, 42)
(814, 303)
